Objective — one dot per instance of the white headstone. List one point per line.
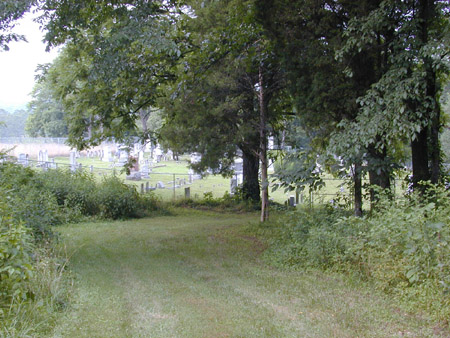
(157, 153)
(107, 156)
(23, 159)
(73, 161)
(141, 157)
(145, 170)
(196, 157)
(233, 185)
(40, 157)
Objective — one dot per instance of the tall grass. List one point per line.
(48, 288)
(402, 248)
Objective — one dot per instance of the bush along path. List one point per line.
(200, 274)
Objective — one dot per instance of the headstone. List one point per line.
(23, 159)
(160, 185)
(123, 155)
(145, 171)
(134, 176)
(291, 201)
(187, 192)
(137, 148)
(73, 161)
(142, 188)
(40, 157)
(135, 164)
(147, 186)
(107, 155)
(233, 185)
(157, 153)
(45, 156)
(141, 157)
(239, 170)
(196, 157)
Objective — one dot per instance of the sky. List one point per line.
(18, 65)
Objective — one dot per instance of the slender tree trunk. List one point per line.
(250, 184)
(379, 172)
(435, 148)
(357, 181)
(419, 152)
(427, 11)
(263, 149)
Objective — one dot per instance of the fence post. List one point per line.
(395, 182)
(174, 197)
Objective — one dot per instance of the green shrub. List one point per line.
(37, 210)
(403, 247)
(116, 199)
(226, 202)
(15, 259)
(73, 190)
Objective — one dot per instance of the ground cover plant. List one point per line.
(401, 248)
(200, 274)
(33, 284)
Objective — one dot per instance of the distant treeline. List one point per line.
(13, 123)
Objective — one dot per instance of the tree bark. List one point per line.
(263, 149)
(427, 12)
(379, 172)
(250, 184)
(419, 152)
(357, 181)
(435, 155)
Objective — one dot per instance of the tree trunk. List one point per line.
(357, 181)
(250, 184)
(419, 152)
(427, 12)
(263, 150)
(435, 148)
(379, 172)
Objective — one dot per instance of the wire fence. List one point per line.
(33, 140)
(171, 185)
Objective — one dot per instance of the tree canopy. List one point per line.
(360, 81)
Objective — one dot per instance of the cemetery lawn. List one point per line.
(202, 274)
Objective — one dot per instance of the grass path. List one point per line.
(200, 275)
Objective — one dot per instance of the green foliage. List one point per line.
(15, 259)
(10, 11)
(42, 200)
(235, 202)
(403, 247)
(13, 123)
(47, 114)
(28, 202)
(72, 190)
(117, 200)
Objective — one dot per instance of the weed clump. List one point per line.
(402, 247)
(32, 278)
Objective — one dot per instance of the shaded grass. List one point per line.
(199, 274)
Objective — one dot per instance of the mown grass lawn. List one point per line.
(200, 274)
